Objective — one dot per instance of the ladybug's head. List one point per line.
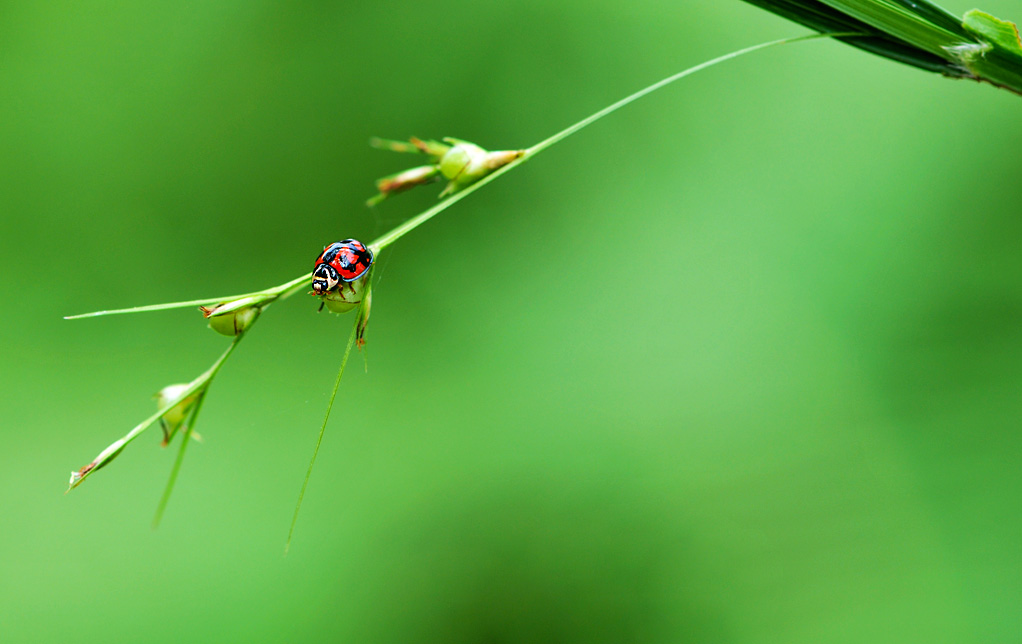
(324, 278)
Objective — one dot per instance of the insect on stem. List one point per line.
(261, 299)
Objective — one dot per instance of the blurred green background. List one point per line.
(740, 363)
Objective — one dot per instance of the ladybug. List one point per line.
(343, 261)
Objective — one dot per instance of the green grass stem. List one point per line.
(322, 431)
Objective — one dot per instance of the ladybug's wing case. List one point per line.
(350, 258)
(353, 260)
(362, 260)
(327, 254)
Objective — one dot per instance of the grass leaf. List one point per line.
(322, 428)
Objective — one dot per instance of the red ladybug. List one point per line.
(343, 261)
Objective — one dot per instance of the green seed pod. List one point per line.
(230, 323)
(347, 295)
(403, 181)
(414, 145)
(464, 164)
(435, 149)
(176, 415)
(407, 179)
(110, 453)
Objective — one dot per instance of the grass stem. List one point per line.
(322, 431)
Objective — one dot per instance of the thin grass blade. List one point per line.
(172, 481)
(322, 430)
(157, 307)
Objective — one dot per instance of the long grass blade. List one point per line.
(826, 19)
(413, 223)
(322, 430)
(187, 438)
(907, 21)
(155, 307)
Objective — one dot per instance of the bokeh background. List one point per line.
(740, 363)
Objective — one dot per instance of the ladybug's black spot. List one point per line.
(330, 253)
(349, 259)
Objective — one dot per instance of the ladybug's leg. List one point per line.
(321, 305)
